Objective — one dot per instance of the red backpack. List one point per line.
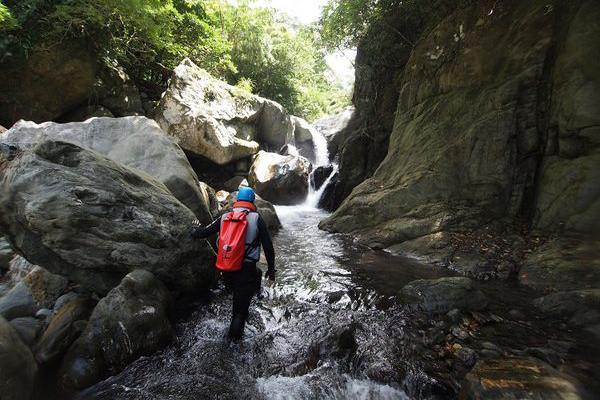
(232, 241)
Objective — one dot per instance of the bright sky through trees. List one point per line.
(308, 11)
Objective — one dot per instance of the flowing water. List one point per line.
(332, 327)
(323, 331)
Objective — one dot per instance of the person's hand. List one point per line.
(196, 224)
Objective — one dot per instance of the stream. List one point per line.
(332, 327)
(294, 343)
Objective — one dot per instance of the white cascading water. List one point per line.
(321, 158)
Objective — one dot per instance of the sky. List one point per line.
(308, 11)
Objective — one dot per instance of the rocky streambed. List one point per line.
(337, 326)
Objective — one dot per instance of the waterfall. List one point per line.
(312, 200)
(321, 159)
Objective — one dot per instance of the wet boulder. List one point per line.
(63, 328)
(208, 117)
(136, 142)
(580, 308)
(131, 321)
(38, 289)
(18, 268)
(439, 296)
(6, 254)
(263, 207)
(79, 214)
(280, 179)
(518, 378)
(28, 328)
(19, 369)
(320, 175)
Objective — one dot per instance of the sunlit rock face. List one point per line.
(79, 214)
(497, 118)
(136, 142)
(280, 179)
(218, 121)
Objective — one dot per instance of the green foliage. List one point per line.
(7, 21)
(284, 65)
(245, 84)
(249, 46)
(346, 23)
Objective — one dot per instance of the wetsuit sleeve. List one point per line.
(203, 232)
(267, 245)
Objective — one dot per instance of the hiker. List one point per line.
(241, 233)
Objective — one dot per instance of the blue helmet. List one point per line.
(246, 194)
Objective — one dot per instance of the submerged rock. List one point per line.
(79, 214)
(280, 179)
(129, 322)
(136, 142)
(38, 289)
(440, 296)
(19, 369)
(518, 378)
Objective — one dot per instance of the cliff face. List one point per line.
(498, 117)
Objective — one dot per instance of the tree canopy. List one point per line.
(253, 47)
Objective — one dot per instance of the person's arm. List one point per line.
(267, 245)
(203, 232)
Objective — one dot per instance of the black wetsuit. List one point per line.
(245, 282)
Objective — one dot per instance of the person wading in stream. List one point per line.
(241, 233)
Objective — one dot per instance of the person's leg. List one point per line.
(244, 287)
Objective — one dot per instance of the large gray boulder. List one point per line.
(208, 117)
(136, 142)
(334, 125)
(468, 140)
(218, 121)
(79, 214)
(442, 295)
(275, 126)
(280, 179)
(310, 143)
(19, 369)
(131, 321)
(39, 289)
